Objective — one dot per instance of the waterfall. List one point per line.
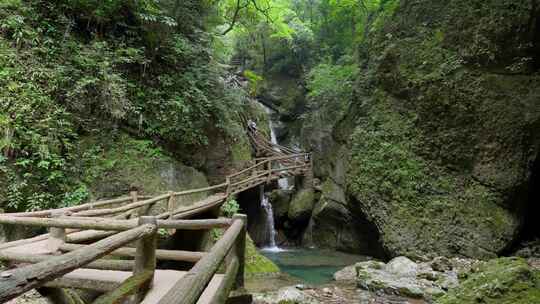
(269, 224)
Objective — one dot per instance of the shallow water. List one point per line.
(312, 266)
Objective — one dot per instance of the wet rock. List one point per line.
(334, 225)
(405, 278)
(402, 266)
(280, 200)
(346, 274)
(301, 206)
(285, 295)
(529, 250)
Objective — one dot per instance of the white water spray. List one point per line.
(283, 183)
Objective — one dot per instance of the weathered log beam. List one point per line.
(228, 282)
(111, 224)
(191, 286)
(88, 235)
(87, 284)
(122, 208)
(68, 222)
(161, 254)
(24, 241)
(181, 193)
(18, 281)
(46, 213)
(101, 264)
(194, 224)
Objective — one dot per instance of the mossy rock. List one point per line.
(256, 263)
(128, 163)
(499, 281)
(301, 205)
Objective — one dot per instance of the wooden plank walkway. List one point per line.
(61, 259)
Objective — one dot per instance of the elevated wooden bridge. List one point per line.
(110, 246)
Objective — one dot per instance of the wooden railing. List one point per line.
(45, 269)
(231, 248)
(116, 222)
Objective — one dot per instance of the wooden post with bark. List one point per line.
(145, 257)
(240, 250)
(171, 202)
(57, 236)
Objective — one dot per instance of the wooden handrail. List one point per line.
(191, 286)
(102, 264)
(111, 224)
(20, 280)
(161, 254)
(123, 208)
(223, 185)
(229, 248)
(46, 213)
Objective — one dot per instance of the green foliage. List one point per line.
(230, 208)
(254, 81)
(72, 68)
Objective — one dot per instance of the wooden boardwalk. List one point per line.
(110, 246)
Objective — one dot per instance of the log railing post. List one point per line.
(240, 249)
(145, 256)
(134, 196)
(171, 207)
(57, 236)
(269, 168)
(228, 181)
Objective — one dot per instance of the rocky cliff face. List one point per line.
(437, 148)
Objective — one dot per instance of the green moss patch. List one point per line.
(499, 281)
(256, 263)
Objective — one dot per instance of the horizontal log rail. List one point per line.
(123, 208)
(20, 280)
(111, 224)
(47, 213)
(102, 264)
(223, 185)
(161, 254)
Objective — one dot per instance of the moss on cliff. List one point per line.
(500, 281)
(444, 126)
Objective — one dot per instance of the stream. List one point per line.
(312, 266)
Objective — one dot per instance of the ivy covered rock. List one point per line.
(499, 281)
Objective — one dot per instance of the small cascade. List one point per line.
(283, 183)
(269, 224)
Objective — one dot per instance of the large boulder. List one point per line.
(280, 200)
(301, 206)
(402, 266)
(405, 278)
(334, 225)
